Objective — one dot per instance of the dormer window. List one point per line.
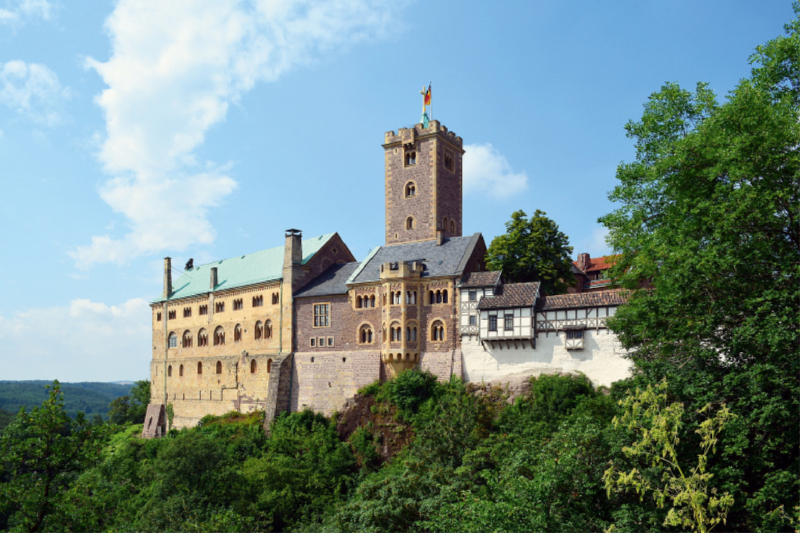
(411, 158)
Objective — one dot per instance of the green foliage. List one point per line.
(533, 250)
(709, 222)
(42, 452)
(5, 418)
(657, 426)
(87, 397)
(408, 390)
(130, 409)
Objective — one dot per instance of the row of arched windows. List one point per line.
(437, 297)
(218, 368)
(262, 331)
(395, 333)
(451, 226)
(365, 301)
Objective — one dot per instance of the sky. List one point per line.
(133, 130)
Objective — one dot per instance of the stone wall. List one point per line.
(324, 381)
(602, 359)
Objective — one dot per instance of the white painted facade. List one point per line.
(601, 358)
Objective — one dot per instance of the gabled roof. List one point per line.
(332, 281)
(258, 267)
(582, 299)
(448, 259)
(481, 279)
(513, 295)
(599, 263)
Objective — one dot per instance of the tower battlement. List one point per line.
(404, 134)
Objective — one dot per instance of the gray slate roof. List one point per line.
(513, 295)
(332, 281)
(449, 259)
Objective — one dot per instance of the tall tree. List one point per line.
(41, 454)
(533, 250)
(710, 214)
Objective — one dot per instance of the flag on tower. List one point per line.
(428, 95)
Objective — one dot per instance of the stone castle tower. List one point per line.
(423, 183)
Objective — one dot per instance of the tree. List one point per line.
(657, 426)
(709, 214)
(131, 409)
(533, 250)
(41, 454)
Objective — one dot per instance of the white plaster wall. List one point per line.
(601, 359)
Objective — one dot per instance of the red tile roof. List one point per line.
(599, 263)
(582, 299)
(513, 295)
(481, 279)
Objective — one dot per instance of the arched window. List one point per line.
(180, 371)
(268, 329)
(398, 297)
(438, 297)
(411, 158)
(173, 340)
(414, 333)
(411, 189)
(431, 297)
(359, 302)
(372, 301)
(444, 296)
(199, 368)
(397, 332)
(219, 336)
(452, 226)
(169, 371)
(437, 331)
(202, 338)
(410, 223)
(253, 366)
(444, 224)
(384, 298)
(269, 366)
(219, 367)
(237, 333)
(187, 339)
(259, 330)
(365, 334)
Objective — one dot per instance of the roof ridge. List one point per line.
(318, 237)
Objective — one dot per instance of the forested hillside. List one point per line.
(90, 397)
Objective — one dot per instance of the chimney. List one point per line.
(214, 281)
(584, 261)
(293, 251)
(167, 277)
(439, 237)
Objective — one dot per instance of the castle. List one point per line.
(305, 325)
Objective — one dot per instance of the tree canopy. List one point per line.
(533, 250)
(709, 215)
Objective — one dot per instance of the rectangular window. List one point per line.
(173, 315)
(219, 307)
(187, 312)
(473, 295)
(330, 341)
(321, 342)
(203, 310)
(275, 298)
(258, 301)
(238, 305)
(321, 315)
(158, 317)
(509, 322)
(473, 320)
(492, 322)
(313, 342)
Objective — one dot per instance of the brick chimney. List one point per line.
(439, 237)
(167, 278)
(214, 280)
(584, 261)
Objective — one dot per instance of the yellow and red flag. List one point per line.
(428, 95)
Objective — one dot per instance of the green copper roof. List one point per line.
(258, 267)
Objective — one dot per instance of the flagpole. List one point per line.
(430, 116)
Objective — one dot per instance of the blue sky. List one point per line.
(133, 130)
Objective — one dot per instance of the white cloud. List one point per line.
(86, 341)
(33, 90)
(486, 171)
(18, 11)
(176, 66)
(596, 244)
